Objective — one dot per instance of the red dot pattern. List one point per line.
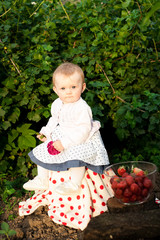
(72, 210)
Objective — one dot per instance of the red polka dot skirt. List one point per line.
(74, 210)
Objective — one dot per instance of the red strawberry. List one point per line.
(125, 199)
(127, 192)
(139, 198)
(134, 188)
(111, 180)
(114, 178)
(118, 193)
(125, 174)
(139, 181)
(140, 184)
(138, 171)
(122, 184)
(133, 198)
(114, 184)
(145, 192)
(129, 179)
(51, 149)
(147, 182)
(139, 191)
(121, 170)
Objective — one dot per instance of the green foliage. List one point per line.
(5, 230)
(117, 45)
(11, 187)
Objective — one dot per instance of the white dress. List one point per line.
(72, 124)
(83, 147)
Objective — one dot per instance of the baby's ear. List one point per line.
(54, 89)
(83, 87)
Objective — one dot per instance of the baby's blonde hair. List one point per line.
(68, 69)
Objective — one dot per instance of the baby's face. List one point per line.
(69, 88)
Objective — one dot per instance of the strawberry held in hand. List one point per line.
(121, 170)
(51, 149)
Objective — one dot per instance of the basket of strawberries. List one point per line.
(132, 182)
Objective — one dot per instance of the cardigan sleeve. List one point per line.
(52, 122)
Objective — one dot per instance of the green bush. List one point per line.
(117, 45)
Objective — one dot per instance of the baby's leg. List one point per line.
(72, 185)
(42, 172)
(40, 182)
(77, 175)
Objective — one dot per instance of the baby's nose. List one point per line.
(68, 90)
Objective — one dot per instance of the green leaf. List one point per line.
(2, 232)
(2, 112)
(10, 191)
(12, 136)
(23, 128)
(47, 47)
(146, 19)
(34, 171)
(4, 165)
(121, 110)
(34, 116)
(14, 116)
(8, 147)
(5, 227)
(26, 141)
(31, 132)
(126, 3)
(46, 114)
(3, 92)
(5, 125)
(11, 232)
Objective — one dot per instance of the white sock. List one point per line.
(42, 172)
(77, 174)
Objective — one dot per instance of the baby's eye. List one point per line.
(73, 87)
(63, 88)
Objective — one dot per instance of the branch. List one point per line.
(11, 60)
(114, 92)
(64, 10)
(107, 78)
(37, 8)
(8, 10)
(5, 12)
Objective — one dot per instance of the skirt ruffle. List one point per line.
(73, 210)
(92, 152)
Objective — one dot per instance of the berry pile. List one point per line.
(131, 187)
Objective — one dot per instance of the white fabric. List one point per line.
(72, 210)
(92, 152)
(42, 172)
(75, 121)
(72, 124)
(77, 174)
(37, 183)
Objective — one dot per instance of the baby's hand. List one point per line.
(41, 137)
(58, 146)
